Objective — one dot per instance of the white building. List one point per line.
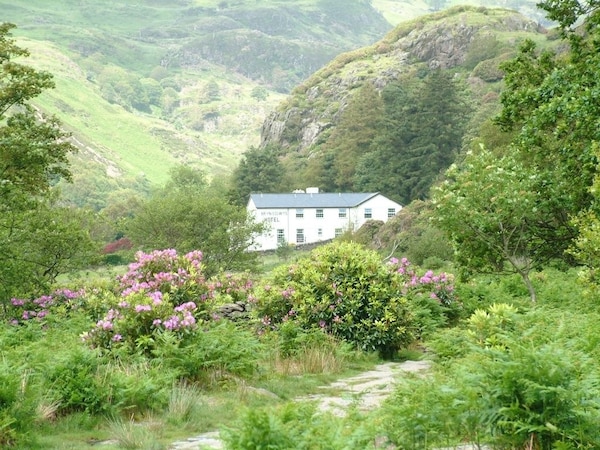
(312, 216)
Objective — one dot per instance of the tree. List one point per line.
(186, 179)
(353, 135)
(551, 100)
(495, 215)
(38, 240)
(188, 215)
(259, 171)
(421, 135)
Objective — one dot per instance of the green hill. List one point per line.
(149, 84)
(321, 130)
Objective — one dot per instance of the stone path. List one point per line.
(367, 390)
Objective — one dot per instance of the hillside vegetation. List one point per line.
(391, 117)
(494, 273)
(147, 85)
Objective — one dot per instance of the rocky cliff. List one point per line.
(471, 41)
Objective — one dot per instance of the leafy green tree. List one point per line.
(259, 171)
(186, 179)
(552, 103)
(37, 239)
(259, 93)
(187, 215)
(496, 216)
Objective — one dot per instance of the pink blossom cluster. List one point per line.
(178, 322)
(161, 270)
(40, 307)
(236, 287)
(440, 285)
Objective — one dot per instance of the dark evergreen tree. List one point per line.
(259, 171)
(354, 133)
(421, 136)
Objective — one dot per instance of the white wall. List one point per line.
(317, 228)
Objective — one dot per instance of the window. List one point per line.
(300, 236)
(280, 236)
(368, 213)
(342, 212)
(391, 212)
(299, 212)
(338, 232)
(320, 233)
(319, 213)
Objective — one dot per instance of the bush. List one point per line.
(221, 347)
(348, 292)
(162, 293)
(17, 405)
(518, 380)
(76, 384)
(344, 290)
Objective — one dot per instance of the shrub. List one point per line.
(545, 395)
(161, 292)
(134, 322)
(522, 382)
(348, 292)
(75, 383)
(221, 348)
(343, 289)
(63, 300)
(17, 405)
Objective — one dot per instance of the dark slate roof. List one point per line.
(307, 200)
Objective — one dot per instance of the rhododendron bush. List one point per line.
(161, 292)
(347, 291)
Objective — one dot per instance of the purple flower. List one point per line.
(141, 308)
(117, 337)
(104, 324)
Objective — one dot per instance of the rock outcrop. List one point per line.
(442, 40)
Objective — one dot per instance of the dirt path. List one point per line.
(367, 390)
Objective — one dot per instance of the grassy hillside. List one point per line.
(150, 84)
(122, 147)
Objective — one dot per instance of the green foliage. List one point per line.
(420, 137)
(162, 291)
(76, 383)
(297, 426)
(348, 142)
(411, 233)
(343, 289)
(17, 404)
(509, 394)
(186, 220)
(549, 102)
(495, 214)
(38, 240)
(221, 349)
(347, 291)
(259, 171)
